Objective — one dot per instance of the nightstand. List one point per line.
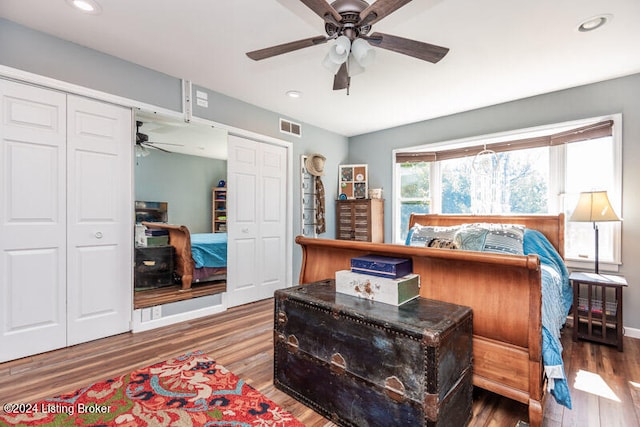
(596, 318)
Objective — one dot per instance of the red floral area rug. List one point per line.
(190, 390)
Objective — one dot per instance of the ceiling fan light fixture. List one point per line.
(353, 67)
(141, 151)
(339, 52)
(330, 65)
(363, 53)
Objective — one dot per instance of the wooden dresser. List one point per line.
(360, 219)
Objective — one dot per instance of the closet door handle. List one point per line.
(98, 235)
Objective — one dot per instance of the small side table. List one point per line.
(595, 318)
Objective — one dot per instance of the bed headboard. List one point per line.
(552, 226)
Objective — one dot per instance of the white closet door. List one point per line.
(99, 210)
(256, 221)
(32, 220)
(273, 219)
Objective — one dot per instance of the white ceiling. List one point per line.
(501, 50)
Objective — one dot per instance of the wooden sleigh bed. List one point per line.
(504, 292)
(185, 266)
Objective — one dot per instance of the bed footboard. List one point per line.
(504, 292)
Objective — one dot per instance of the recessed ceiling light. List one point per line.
(86, 6)
(294, 94)
(594, 23)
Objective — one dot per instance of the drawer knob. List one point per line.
(98, 235)
(338, 364)
(394, 389)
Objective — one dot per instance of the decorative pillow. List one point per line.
(442, 243)
(421, 235)
(504, 238)
(471, 237)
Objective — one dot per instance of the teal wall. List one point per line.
(184, 182)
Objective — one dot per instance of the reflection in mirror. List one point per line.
(180, 163)
(177, 136)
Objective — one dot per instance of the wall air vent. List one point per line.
(290, 128)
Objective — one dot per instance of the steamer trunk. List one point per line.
(364, 363)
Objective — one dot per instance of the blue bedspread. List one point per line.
(209, 249)
(557, 297)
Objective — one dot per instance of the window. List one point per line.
(414, 191)
(534, 171)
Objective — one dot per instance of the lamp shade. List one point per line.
(353, 67)
(327, 63)
(363, 52)
(339, 52)
(141, 151)
(593, 206)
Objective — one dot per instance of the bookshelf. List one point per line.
(219, 210)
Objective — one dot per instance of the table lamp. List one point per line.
(594, 206)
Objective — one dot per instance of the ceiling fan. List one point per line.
(143, 143)
(349, 23)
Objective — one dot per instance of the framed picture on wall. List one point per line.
(353, 181)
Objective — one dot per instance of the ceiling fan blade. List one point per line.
(420, 50)
(379, 9)
(165, 143)
(144, 144)
(324, 10)
(341, 80)
(268, 52)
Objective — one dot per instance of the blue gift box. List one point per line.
(381, 266)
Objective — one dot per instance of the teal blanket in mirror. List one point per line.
(209, 249)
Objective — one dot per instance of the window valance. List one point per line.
(583, 133)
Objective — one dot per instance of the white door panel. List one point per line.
(99, 219)
(32, 220)
(29, 304)
(272, 256)
(245, 203)
(257, 177)
(273, 219)
(245, 276)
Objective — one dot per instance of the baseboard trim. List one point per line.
(138, 325)
(631, 332)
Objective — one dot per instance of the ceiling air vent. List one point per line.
(290, 128)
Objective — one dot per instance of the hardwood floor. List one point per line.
(159, 296)
(605, 384)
